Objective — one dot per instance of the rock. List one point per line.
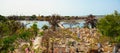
(110, 45)
(93, 51)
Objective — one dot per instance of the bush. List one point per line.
(45, 27)
(110, 25)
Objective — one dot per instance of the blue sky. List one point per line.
(61, 7)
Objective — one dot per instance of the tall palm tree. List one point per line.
(91, 20)
(54, 20)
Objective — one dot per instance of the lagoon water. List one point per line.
(40, 24)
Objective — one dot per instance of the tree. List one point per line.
(110, 26)
(9, 34)
(2, 18)
(14, 26)
(33, 17)
(54, 20)
(10, 27)
(67, 17)
(91, 20)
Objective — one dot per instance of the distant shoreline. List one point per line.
(79, 20)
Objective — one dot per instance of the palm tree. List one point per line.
(91, 20)
(54, 20)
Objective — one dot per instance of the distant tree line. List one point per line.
(90, 20)
(42, 18)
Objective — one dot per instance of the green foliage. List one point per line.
(34, 29)
(104, 39)
(3, 28)
(110, 25)
(26, 35)
(2, 18)
(9, 27)
(7, 43)
(45, 27)
(33, 17)
(69, 43)
(41, 33)
(117, 39)
(9, 40)
(10, 33)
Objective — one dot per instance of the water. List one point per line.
(81, 24)
(40, 24)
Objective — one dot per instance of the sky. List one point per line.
(61, 7)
